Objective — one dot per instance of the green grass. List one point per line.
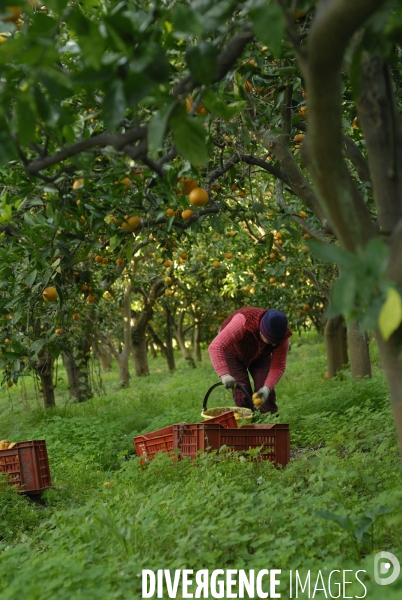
(87, 541)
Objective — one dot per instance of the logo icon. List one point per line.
(384, 562)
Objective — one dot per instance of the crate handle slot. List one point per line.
(239, 387)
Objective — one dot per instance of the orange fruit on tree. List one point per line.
(231, 233)
(7, 341)
(272, 255)
(306, 307)
(76, 317)
(302, 214)
(58, 331)
(248, 86)
(120, 261)
(50, 294)
(10, 383)
(186, 185)
(187, 214)
(306, 236)
(169, 212)
(299, 137)
(131, 223)
(184, 255)
(168, 280)
(198, 197)
(84, 287)
(272, 280)
(126, 182)
(228, 255)
(91, 299)
(168, 292)
(167, 263)
(98, 259)
(305, 249)
(216, 264)
(78, 183)
(105, 261)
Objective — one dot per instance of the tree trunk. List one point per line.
(169, 341)
(180, 340)
(360, 364)
(105, 357)
(76, 364)
(44, 368)
(335, 343)
(140, 358)
(196, 343)
(392, 363)
(152, 349)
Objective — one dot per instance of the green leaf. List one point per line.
(26, 120)
(333, 254)
(390, 316)
(29, 279)
(202, 61)
(114, 104)
(157, 128)
(189, 137)
(216, 105)
(344, 293)
(186, 22)
(268, 25)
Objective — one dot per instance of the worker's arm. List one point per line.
(223, 344)
(278, 364)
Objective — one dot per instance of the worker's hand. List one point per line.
(262, 393)
(228, 381)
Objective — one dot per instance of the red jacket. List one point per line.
(239, 336)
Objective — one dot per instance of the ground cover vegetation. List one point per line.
(107, 517)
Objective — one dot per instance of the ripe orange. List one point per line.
(248, 86)
(198, 197)
(10, 384)
(131, 223)
(231, 233)
(126, 182)
(50, 294)
(98, 259)
(167, 263)
(58, 331)
(306, 236)
(278, 236)
(228, 255)
(168, 280)
(84, 287)
(168, 292)
(105, 261)
(169, 212)
(78, 183)
(184, 255)
(7, 341)
(91, 299)
(272, 255)
(187, 214)
(302, 214)
(257, 401)
(306, 307)
(299, 137)
(187, 185)
(76, 317)
(120, 261)
(216, 264)
(261, 262)
(305, 249)
(272, 280)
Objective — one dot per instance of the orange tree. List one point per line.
(89, 93)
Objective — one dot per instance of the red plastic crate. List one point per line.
(27, 466)
(274, 440)
(148, 444)
(227, 419)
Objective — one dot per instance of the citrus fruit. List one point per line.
(50, 294)
(76, 317)
(198, 197)
(216, 264)
(131, 223)
(91, 299)
(187, 214)
(120, 261)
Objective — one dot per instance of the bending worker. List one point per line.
(256, 341)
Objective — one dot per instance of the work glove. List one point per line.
(262, 393)
(228, 381)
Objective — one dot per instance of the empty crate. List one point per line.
(27, 466)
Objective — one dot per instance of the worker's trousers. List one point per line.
(258, 370)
